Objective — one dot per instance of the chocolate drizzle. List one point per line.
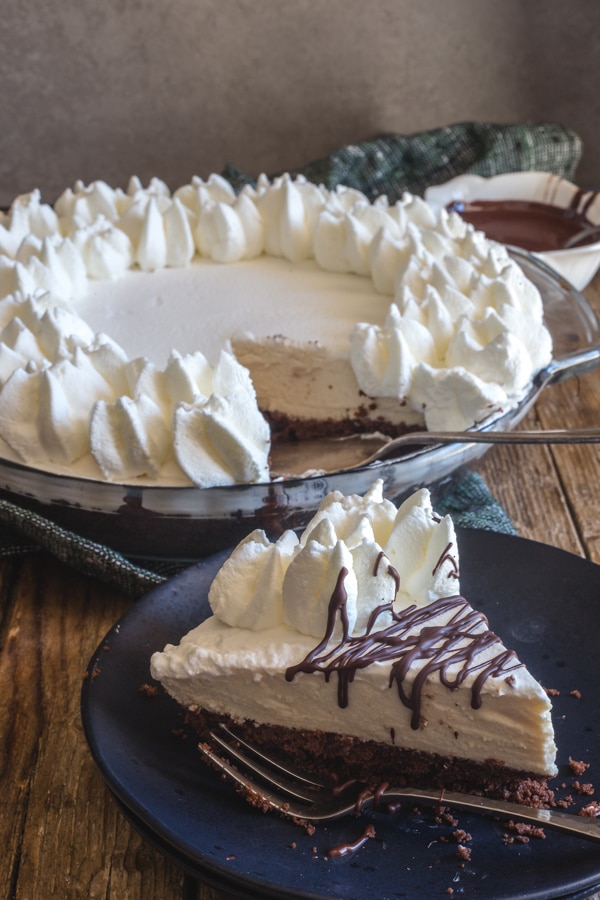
(445, 636)
(448, 557)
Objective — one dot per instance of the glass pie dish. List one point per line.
(188, 523)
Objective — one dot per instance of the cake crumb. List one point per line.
(149, 690)
(461, 836)
(578, 767)
(463, 853)
(576, 694)
(591, 810)
(583, 788)
(525, 829)
(552, 692)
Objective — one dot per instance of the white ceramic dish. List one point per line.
(188, 523)
(578, 265)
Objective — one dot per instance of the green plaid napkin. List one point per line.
(389, 164)
(392, 163)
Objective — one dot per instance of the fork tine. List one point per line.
(271, 773)
(258, 795)
(273, 764)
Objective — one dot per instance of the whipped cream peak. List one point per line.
(82, 205)
(156, 188)
(129, 437)
(422, 548)
(240, 602)
(384, 359)
(345, 512)
(220, 234)
(290, 212)
(106, 252)
(309, 584)
(454, 398)
(199, 192)
(27, 216)
(211, 446)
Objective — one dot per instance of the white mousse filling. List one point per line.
(272, 603)
(286, 298)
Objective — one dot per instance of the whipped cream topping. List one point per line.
(357, 627)
(405, 555)
(463, 337)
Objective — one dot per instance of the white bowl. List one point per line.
(578, 265)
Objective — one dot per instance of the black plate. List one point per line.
(544, 604)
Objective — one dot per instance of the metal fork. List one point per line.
(271, 785)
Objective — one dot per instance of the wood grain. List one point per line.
(60, 832)
(64, 833)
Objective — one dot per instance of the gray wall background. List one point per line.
(109, 88)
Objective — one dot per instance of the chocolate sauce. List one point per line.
(352, 847)
(412, 638)
(449, 557)
(528, 224)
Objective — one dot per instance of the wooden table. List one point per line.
(60, 832)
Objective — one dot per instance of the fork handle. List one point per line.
(551, 818)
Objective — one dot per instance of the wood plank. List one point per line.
(62, 829)
(571, 404)
(524, 480)
(19, 716)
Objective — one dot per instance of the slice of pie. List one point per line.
(350, 650)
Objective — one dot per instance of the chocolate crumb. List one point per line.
(524, 829)
(591, 810)
(149, 690)
(461, 836)
(583, 788)
(578, 767)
